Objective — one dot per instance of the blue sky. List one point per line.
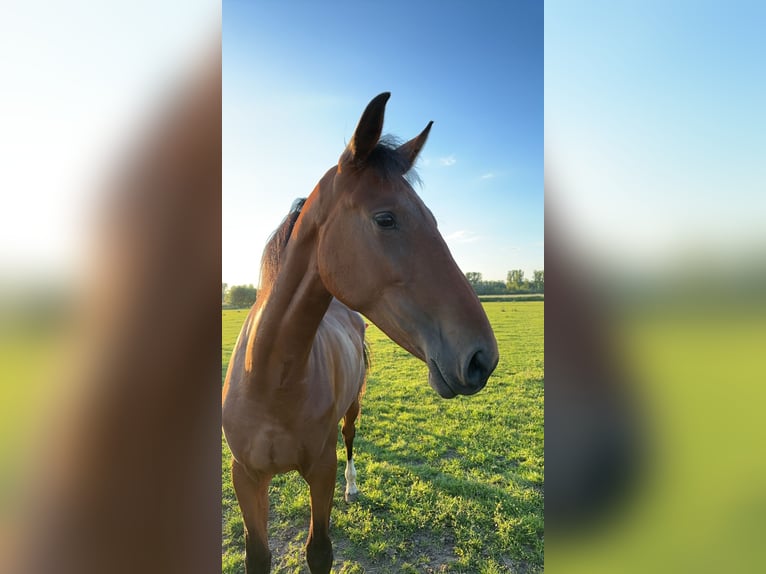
(79, 95)
(296, 78)
(654, 128)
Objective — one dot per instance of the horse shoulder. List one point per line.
(340, 347)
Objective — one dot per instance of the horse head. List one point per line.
(380, 252)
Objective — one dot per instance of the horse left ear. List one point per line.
(410, 150)
(367, 132)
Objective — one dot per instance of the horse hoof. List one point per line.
(352, 497)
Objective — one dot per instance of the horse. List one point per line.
(363, 242)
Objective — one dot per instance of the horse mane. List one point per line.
(275, 246)
(385, 157)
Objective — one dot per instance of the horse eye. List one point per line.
(385, 220)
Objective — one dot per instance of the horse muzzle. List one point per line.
(468, 379)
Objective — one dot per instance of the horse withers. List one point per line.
(362, 242)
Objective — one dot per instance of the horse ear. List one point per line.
(410, 150)
(368, 130)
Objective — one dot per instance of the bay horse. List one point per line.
(362, 242)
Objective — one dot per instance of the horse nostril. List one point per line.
(477, 371)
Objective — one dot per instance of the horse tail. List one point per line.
(366, 353)
(363, 388)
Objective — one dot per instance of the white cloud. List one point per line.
(448, 161)
(462, 236)
(488, 175)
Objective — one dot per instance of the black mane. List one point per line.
(275, 246)
(391, 164)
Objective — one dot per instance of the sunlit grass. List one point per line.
(30, 359)
(698, 368)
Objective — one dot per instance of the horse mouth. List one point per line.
(439, 382)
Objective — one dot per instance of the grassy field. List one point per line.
(446, 486)
(698, 369)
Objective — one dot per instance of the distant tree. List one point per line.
(224, 289)
(242, 295)
(473, 277)
(490, 288)
(538, 283)
(515, 281)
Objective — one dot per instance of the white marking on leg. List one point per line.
(350, 474)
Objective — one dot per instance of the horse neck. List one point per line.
(290, 313)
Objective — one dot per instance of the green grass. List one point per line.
(230, 327)
(697, 368)
(31, 359)
(446, 486)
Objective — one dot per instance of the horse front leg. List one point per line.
(321, 480)
(349, 431)
(253, 497)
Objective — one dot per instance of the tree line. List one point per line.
(244, 295)
(514, 283)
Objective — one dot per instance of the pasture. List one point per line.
(445, 485)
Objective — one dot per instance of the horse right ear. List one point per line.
(367, 131)
(410, 150)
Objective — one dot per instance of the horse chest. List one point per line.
(277, 448)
